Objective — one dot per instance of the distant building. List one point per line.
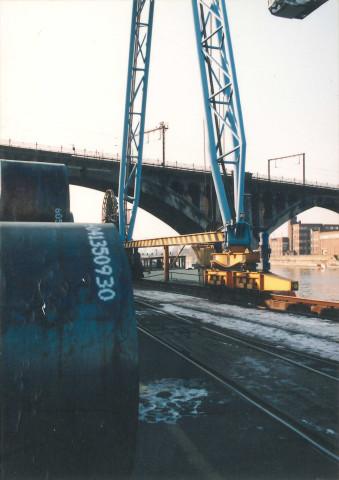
(300, 236)
(325, 242)
(279, 246)
(306, 238)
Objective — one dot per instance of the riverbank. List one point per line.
(321, 261)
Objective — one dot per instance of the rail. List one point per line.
(102, 155)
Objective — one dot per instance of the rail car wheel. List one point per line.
(109, 213)
(69, 379)
(34, 192)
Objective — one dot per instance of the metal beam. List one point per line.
(222, 106)
(207, 238)
(222, 103)
(135, 112)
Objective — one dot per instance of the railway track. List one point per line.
(298, 395)
(321, 366)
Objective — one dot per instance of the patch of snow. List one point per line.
(328, 431)
(167, 400)
(307, 334)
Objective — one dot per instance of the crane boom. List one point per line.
(236, 266)
(222, 109)
(223, 114)
(222, 101)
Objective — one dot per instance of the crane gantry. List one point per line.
(222, 110)
(236, 266)
(222, 107)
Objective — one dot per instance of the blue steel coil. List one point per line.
(69, 373)
(34, 192)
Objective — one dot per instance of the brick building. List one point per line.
(325, 242)
(303, 239)
(279, 246)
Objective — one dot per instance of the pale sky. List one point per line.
(63, 80)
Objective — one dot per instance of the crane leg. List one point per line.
(135, 112)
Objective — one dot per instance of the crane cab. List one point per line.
(293, 8)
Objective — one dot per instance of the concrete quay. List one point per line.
(320, 261)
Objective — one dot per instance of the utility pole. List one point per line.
(163, 126)
(302, 155)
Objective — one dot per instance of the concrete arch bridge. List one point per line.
(184, 198)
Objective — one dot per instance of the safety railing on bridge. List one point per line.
(102, 155)
(71, 150)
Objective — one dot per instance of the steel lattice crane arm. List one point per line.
(226, 133)
(135, 112)
(222, 109)
(236, 266)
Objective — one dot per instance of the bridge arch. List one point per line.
(172, 208)
(166, 192)
(298, 207)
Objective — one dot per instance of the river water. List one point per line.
(317, 283)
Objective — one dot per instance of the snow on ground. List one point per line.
(169, 399)
(307, 334)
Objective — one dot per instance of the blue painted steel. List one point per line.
(220, 191)
(240, 164)
(135, 112)
(34, 192)
(69, 378)
(238, 233)
(224, 119)
(222, 108)
(265, 252)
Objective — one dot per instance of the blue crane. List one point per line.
(223, 113)
(222, 109)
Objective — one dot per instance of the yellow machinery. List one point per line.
(233, 269)
(238, 270)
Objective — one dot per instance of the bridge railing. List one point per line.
(101, 155)
(294, 181)
(72, 150)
